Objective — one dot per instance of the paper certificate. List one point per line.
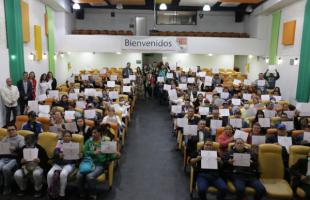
(44, 109)
(265, 97)
(241, 134)
(42, 97)
(289, 125)
(201, 74)
(204, 110)
(113, 78)
(182, 122)
(85, 77)
(285, 142)
(261, 83)
(247, 82)
(5, 148)
(71, 127)
(173, 95)
(183, 86)
(258, 139)
(132, 77)
(126, 81)
(193, 69)
(81, 104)
(54, 94)
(247, 96)
(169, 75)
(278, 98)
(190, 130)
(176, 109)
(90, 114)
(208, 81)
(111, 84)
(224, 95)
(236, 102)
(103, 71)
(307, 136)
(214, 124)
(167, 87)
(219, 89)
(33, 106)
(236, 123)
(73, 96)
(69, 115)
(108, 147)
(224, 112)
(269, 113)
(113, 95)
(264, 122)
(191, 80)
(29, 154)
(126, 89)
(209, 160)
(290, 114)
(242, 159)
(71, 151)
(160, 79)
(90, 92)
(236, 82)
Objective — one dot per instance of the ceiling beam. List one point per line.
(241, 1)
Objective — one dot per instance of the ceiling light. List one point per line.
(249, 9)
(13, 57)
(62, 54)
(44, 56)
(250, 56)
(69, 52)
(76, 6)
(267, 60)
(296, 61)
(118, 53)
(119, 6)
(280, 61)
(206, 8)
(162, 6)
(31, 56)
(210, 54)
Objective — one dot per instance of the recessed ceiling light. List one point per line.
(76, 6)
(119, 6)
(206, 8)
(162, 6)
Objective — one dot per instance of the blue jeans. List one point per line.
(7, 167)
(204, 180)
(240, 184)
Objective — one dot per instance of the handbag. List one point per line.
(87, 165)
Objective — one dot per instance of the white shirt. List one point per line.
(44, 86)
(10, 95)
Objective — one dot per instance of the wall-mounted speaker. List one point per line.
(239, 16)
(79, 14)
(112, 14)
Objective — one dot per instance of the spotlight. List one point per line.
(162, 6)
(206, 8)
(76, 6)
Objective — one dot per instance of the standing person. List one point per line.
(25, 92)
(261, 84)
(8, 161)
(43, 85)
(271, 79)
(32, 78)
(51, 80)
(10, 95)
(127, 71)
(140, 83)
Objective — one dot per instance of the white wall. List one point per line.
(88, 60)
(211, 22)
(188, 60)
(36, 17)
(4, 59)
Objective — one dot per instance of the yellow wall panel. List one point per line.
(38, 42)
(288, 37)
(25, 21)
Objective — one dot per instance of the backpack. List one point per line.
(53, 190)
(87, 165)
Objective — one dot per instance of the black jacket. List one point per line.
(24, 95)
(297, 170)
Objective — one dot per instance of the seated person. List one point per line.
(33, 170)
(225, 138)
(216, 116)
(300, 172)
(61, 165)
(243, 176)
(63, 102)
(112, 118)
(8, 161)
(83, 129)
(208, 177)
(32, 124)
(57, 124)
(101, 160)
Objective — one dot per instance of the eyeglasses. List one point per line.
(11, 129)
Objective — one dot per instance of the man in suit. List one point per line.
(127, 71)
(25, 92)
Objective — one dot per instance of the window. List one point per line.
(176, 17)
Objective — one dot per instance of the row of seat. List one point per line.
(101, 32)
(200, 34)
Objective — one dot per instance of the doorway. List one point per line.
(152, 58)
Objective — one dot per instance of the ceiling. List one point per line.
(183, 5)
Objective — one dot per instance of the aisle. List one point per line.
(150, 168)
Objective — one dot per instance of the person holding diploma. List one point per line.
(83, 129)
(32, 124)
(207, 177)
(92, 149)
(31, 169)
(242, 175)
(8, 161)
(61, 165)
(64, 102)
(225, 138)
(300, 172)
(57, 124)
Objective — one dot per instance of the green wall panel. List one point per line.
(50, 40)
(273, 48)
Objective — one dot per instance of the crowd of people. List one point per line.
(211, 108)
(97, 98)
